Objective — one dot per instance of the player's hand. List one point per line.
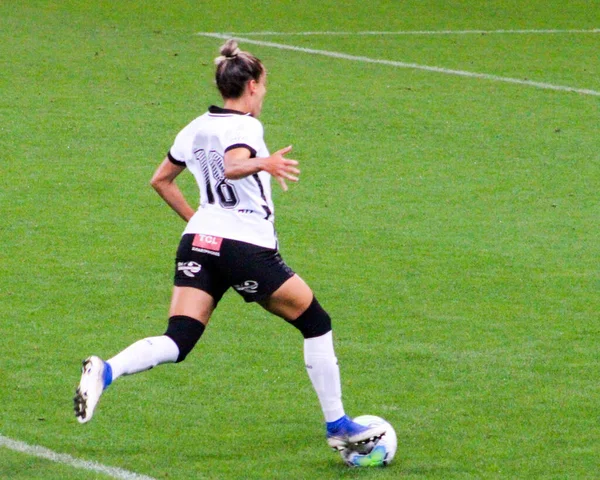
(282, 168)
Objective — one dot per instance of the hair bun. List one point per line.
(233, 54)
(228, 51)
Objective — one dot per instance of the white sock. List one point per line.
(144, 355)
(324, 373)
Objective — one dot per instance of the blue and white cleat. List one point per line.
(96, 375)
(344, 433)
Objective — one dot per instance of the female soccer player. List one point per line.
(230, 241)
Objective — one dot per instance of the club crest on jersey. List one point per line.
(189, 269)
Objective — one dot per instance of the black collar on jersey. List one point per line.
(224, 111)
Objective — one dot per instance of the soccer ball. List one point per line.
(373, 454)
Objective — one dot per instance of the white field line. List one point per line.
(415, 66)
(41, 452)
(421, 32)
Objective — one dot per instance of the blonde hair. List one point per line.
(228, 51)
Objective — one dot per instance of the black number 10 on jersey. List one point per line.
(213, 170)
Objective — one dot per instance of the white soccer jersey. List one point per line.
(236, 209)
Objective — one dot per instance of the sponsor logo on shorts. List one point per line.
(249, 286)
(207, 242)
(189, 269)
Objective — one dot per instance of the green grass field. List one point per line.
(449, 224)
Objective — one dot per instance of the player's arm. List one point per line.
(239, 163)
(163, 181)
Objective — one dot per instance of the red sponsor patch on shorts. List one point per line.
(207, 242)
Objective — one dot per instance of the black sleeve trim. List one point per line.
(173, 160)
(242, 145)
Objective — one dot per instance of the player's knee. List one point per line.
(185, 332)
(314, 322)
